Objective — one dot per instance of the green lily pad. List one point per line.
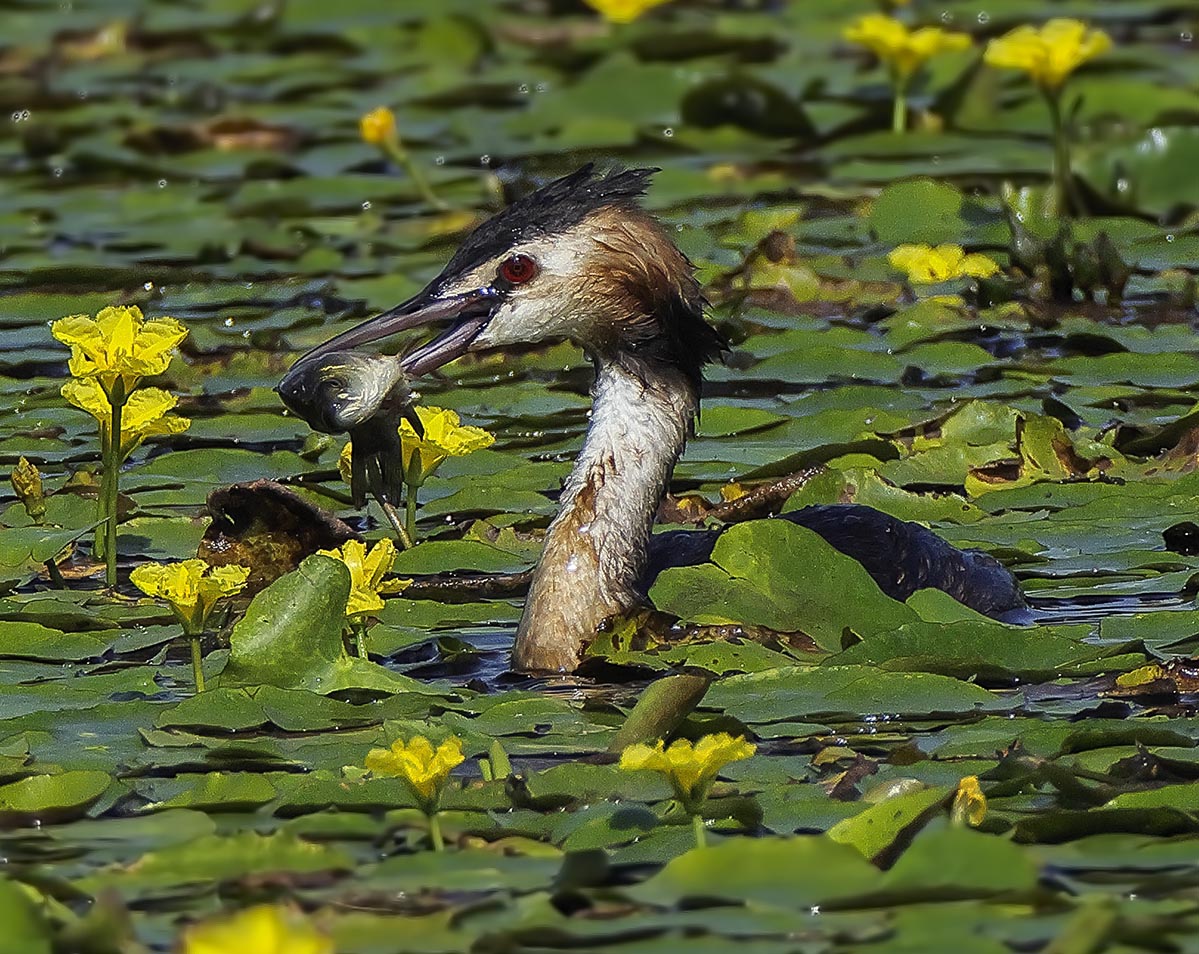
(783, 577)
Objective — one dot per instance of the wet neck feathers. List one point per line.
(595, 548)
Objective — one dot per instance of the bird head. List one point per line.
(578, 259)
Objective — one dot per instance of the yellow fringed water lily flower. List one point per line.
(445, 436)
(265, 929)
(424, 768)
(378, 127)
(119, 344)
(191, 587)
(903, 50)
(690, 769)
(925, 265)
(969, 803)
(623, 11)
(1048, 54)
(146, 412)
(367, 569)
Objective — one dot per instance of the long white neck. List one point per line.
(595, 548)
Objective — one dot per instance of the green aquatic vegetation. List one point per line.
(367, 584)
(690, 769)
(903, 51)
(1048, 56)
(110, 355)
(196, 162)
(424, 768)
(378, 127)
(191, 588)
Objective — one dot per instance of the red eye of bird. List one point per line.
(518, 269)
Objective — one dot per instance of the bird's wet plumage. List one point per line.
(580, 259)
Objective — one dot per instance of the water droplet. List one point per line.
(162, 183)
(523, 89)
(947, 16)
(229, 322)
(58, 172)
(1186, 36)
(246, 333)
(984, 17)
(148, 286)
(439, 161)
(485, 159)
(668, 132)
(1170, 238)
(542, 87)
(366, 205)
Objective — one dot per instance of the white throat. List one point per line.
(595, 548)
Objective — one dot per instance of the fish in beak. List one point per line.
(341, 391)
(366, 396)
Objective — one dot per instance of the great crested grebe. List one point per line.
(580, 259)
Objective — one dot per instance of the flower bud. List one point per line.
(27, 483)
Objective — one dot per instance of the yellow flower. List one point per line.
(969, 803)
(367, 570)
(623, 11)
(265, 929)
(26, 482)
(424, 768)
(378, 126)
(192, 587)
(1049, 54)
(925, 265)
(119, 344)
(733, 491)
(145, 414)
(690, 769)
(445, 436)
(904, 51)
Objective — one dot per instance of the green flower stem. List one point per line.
(397, 525)
(395, 149)
(700, 829)
(360, 638)
(899, 109)
(435, 832)
(1063, 180)
(98, 547)
(197, 661)
(410, 513)
(111, 483)
(55, 575)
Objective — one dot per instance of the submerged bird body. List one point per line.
(364, 396)
(900, 556)
(580, 259)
